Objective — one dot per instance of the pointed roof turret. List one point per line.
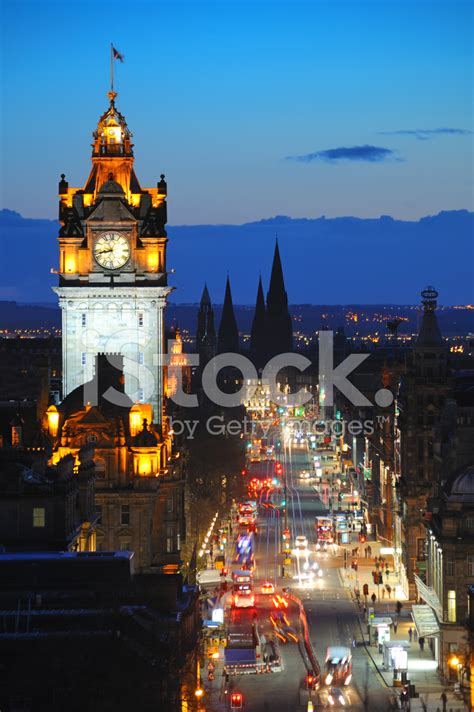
(112, 149)
(228, 336)
(257, 334)
(277, 297)
(429, 334)
(205, 299)
(278, 327)
(112, 136)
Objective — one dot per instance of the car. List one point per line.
(279, 601)
(301, 542)
(282, 628)
(267, 587)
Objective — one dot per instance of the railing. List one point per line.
(428, 594)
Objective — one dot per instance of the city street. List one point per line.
(331, 613)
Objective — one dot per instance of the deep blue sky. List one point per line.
(220, 94)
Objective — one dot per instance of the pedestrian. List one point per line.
(383, 593)
(386, 573)
(421, 643)
(444, 699)
(373, 598)
(365, 552)
(410, 633)
(369, 550)
(389, 590)
(415, 635)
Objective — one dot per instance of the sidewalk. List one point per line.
(367, 565)
(422, 668)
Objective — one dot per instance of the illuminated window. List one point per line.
(83, 319)
(451, 606)
(124, 546)
(39, 517)
(125, 514)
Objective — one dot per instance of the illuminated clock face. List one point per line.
(112, 250)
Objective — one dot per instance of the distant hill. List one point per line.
(307, 318)
(336, 261)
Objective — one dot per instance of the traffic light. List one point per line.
(365, 589)
(309, 682)
(236, 701)
(354, 565)
(362, 538)
(244, 472)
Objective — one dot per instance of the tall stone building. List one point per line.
(112, 291)
(112, 267)
(423, 393)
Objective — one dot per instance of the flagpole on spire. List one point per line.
(111, 67)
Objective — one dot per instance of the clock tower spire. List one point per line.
(112, 267)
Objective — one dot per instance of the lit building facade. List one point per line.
(112, 292)
(112, 267)
(450, 570)
(139, 483)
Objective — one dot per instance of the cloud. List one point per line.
(426, 134)
(372, 154)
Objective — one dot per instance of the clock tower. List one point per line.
(112, 269)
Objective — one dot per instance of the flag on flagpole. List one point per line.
(117, 54)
